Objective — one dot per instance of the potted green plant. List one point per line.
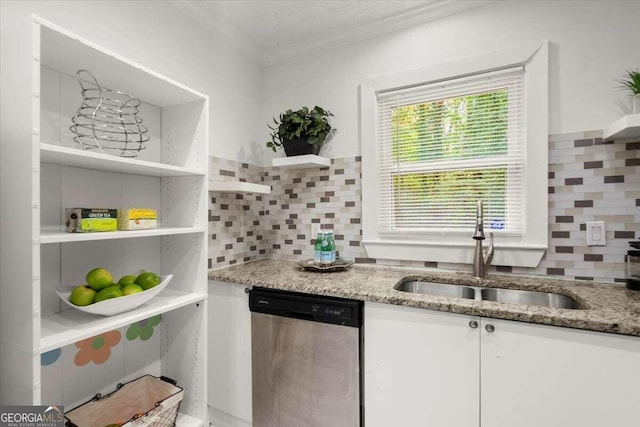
(631, 82)
(301, 131)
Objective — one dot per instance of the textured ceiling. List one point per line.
(277, 30)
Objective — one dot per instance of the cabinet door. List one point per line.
(421, 367)
(229, 330)
(536, 375)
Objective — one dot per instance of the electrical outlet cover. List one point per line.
(596, 235)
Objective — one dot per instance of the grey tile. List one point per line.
(583, 143)
(573, 181)
(583, 203)
(593, 165)
(624, 234)
(564, 219)
(564, 249)
(612, 179)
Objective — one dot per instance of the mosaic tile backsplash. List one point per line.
(589, 180)
(284, 224)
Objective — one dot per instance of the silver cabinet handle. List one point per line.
(473, 324)
(490, 328)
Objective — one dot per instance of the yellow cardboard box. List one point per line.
(137, 219)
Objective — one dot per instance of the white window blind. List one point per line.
(443, 146)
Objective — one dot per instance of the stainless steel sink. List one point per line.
(517, 296)
(481, 293)
(436, 289)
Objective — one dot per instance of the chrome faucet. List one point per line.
(481, 258)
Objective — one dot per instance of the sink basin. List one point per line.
(516, 296)
(436, 289)
(481, 293)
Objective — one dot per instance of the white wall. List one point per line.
(592, 44)
(156, 35)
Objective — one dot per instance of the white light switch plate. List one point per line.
(596, 233)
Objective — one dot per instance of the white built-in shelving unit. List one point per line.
(624, 128)
(44, 171)
(305, 161)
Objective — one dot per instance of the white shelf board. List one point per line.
(625, 127)
(59, 155)
(67, 52)
(67, 327)
(185, 420)
(306, 161)
(238, 187)
(58, 236)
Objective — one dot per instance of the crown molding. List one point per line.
(428, 13)
(219, 27)
(431, 11)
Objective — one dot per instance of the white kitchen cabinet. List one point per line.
(229, 355)
(44, 171)
(537, 375)
(425, 367)
(420, 367)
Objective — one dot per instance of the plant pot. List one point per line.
(299, 147)
(635, 101)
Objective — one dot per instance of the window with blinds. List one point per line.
(443, 146)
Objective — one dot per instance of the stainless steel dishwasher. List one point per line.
(306, 355)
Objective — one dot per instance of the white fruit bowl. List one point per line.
(118, 305)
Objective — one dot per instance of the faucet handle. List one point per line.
(488, 252)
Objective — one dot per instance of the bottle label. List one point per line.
(326, 257)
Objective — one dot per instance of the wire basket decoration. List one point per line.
(108, 120)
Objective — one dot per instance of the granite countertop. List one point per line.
(606, 307)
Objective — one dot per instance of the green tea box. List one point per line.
(87, 220)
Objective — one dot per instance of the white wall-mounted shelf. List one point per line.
(56, 154)
(623, 128)
(70, 326)
(238, 187)
(68, 52)
(306, 161)
(57, 236)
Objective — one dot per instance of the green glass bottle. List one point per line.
(317, 249)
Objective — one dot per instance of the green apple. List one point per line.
(82, 295)
(108, 293)
(148, 280)
(127, 280)
(99, 278)
(131, 289)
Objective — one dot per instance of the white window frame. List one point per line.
(525, 250)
